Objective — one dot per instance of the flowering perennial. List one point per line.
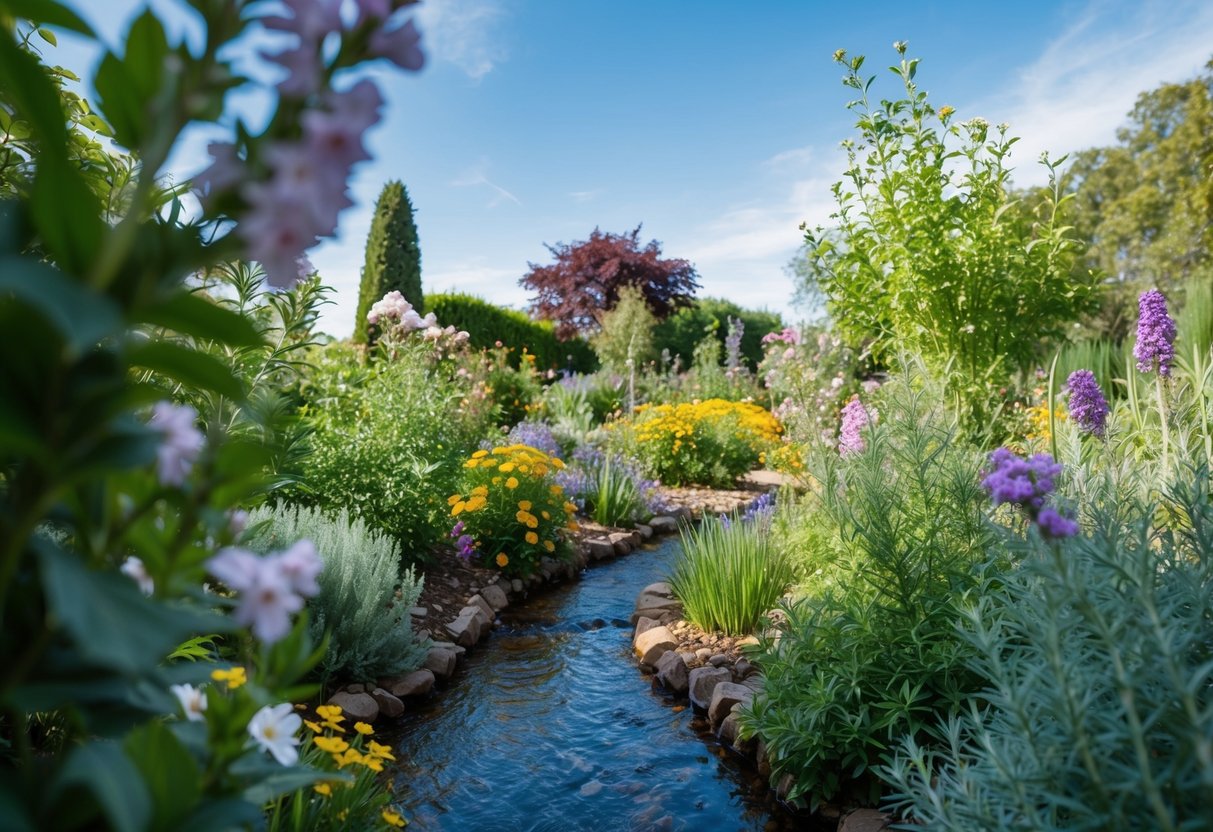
(1027, 483)
(850, 433)
(271, 588)
(1088, 407)
(181, 444)
(273, 728)
(1155, 345)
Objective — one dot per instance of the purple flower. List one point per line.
(732, 343)
(225, 172)
(1027, 483)
(536, 434)
(457, 529)
(466, 545)
(181, 443)
(401, 46)
(760, 512)
(1088, 407)
(310, 20)
(850, 434)
(300, 565)
(1155, 334)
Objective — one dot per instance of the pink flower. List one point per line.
(374, 10)
(225, 172)
(181, 444)
(304, 73)
(278, 230)
(850, 435)
(298, 175)
(335, 135)
(401, 46)
(300, 564)
(271, 589)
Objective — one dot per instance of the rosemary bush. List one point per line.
(1095, 659)
(369, 630)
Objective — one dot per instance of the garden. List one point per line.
(942, 559)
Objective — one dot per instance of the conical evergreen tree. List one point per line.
(393, 256)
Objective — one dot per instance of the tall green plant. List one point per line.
(393, 256)
(929, 253)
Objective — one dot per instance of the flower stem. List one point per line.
(1166, 430)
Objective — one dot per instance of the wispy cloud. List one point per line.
(462, 32)
(585, 196)
(1080, 88)
(478, 176)
(798, 158)
(475, 276)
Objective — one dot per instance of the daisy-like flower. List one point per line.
(181, 444)
(273, 728)
(233, 677)
(363, 728)
(192, 699)
(134, 569)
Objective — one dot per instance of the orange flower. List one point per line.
(502, 560)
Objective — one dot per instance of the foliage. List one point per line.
(490, 325)
(926, 255)
(387, 441)
(889, 543)
(393, 257)
(1094, 658)
(586, 279)
(368, 628)
(625, 340)
(710, 443)
(730, 574)
(501, 392)
(512, 508)
(611, 489)
(809, 375)
(681, 332)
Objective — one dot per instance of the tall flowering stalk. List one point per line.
(850, 434)
(1155, 349)
(1027, 483)
(1087, 405)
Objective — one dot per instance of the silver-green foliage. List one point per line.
(1096, 657)
(369, 629)
(729, 575)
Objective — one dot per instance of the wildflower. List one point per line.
(1027, 483)
(850, 434)
(267, 598)
(466, 547)
(1088, 407)
(511, 483)
(273, 728)
(192, 699)
(234, 677)
(401, 46)
(363, 728)
(181, 444)
(314, 727)
(134, 569)
(457, 529)
(383, 752)
(503, 560)
(226, 171)
(332, 745)
(323, 789)
(532, 538)
(524, 505)
(1155, 334)
(393, 819)
(549, 545)
(237, 522)
(372, 763)
(946, 111)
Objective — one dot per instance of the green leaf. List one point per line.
(67, 215)
(48, 12)
(82, 317)
(223, 814)
(48, 36)
(118, 99)
(272, 779)
(102, 769)
(192, 314)
(27, 85)
(170, 773)
(146, 49)
(118, 628)
(188, 366)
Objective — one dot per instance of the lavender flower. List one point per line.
(401, 46)
(181, 444)
(536, 434)
(466, 545)
(1155, 334)
(732, 344)
(1027, 483)
(1088, 407)
(850, 434)
(760, 511)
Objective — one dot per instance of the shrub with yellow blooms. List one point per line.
(708, 442)
(510, 511)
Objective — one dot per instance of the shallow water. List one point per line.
(548, 725)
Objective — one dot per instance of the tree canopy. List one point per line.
(586, 278)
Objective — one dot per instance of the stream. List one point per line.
(548, 725)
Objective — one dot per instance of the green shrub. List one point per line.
(625, 342)
(393, 257)
(369, 629)
(1095, 659)
(872, 655)
(488, 324)
(614, 496)
(682, 332)
(387, 441)
(730, 574)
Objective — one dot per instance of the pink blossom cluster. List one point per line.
(789, 335)
(395, 315)
(293, 189)
(855, 418)
(181, 442)
(271, 588)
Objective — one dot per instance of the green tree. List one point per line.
(681, 332)
(393, 256)
(627, 332)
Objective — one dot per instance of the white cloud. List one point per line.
(1079, 90)
(476, 277)
(461, 32)
(478, 175)
(798, 158)
(585, 196)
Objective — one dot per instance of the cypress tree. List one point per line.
(393, 256)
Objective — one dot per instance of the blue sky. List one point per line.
(715, 125)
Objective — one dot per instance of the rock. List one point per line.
(762, 759)
(660, 588)
(663, 524)
(755, 682)
(621, 542)
(730, 734)
(653, 643)
(355, 688)
(724, 696)
(719, 660)
(600, 548)
(359, 707)
(489, 613)
(747, 642)
(643, 623)
(495, 596)
(644, 531)
(703, 654)
(744, 667)
(516, 585)
(468, 628)
(865, 820)
(784, 787)
(389, 705)
(672, 672)
(417, 683)
(440, 661)
(418, 612)
(703, 681)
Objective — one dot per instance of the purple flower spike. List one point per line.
(1088, 407)
(850, 434)
(1027, 483)
(1155, 334)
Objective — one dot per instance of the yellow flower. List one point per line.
(454, 498)
(324, 789)
(471, 463)
(502, 560)
(524, 469)
(330, 713)
(480, 454)
(558, 463)
(549, 545)
(314, 727)
(540, 469)
(524, 505)
(373, 763)
(555, 490)
(475, 504)
(363, 728)
(333, 745)
(234, 677)
(532, 538)
(506, 467)
(393, 819)
(458, 508)
(546, 515)
(511, 483)
(496, 480)
(480, 491)
(383, 752)
(570, 508)
(343, 814)
(349, 757)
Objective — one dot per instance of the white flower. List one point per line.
(182, 441)
(192, 699)
(273, 728)
(300, 564)
(134, 569)
(271, 589)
